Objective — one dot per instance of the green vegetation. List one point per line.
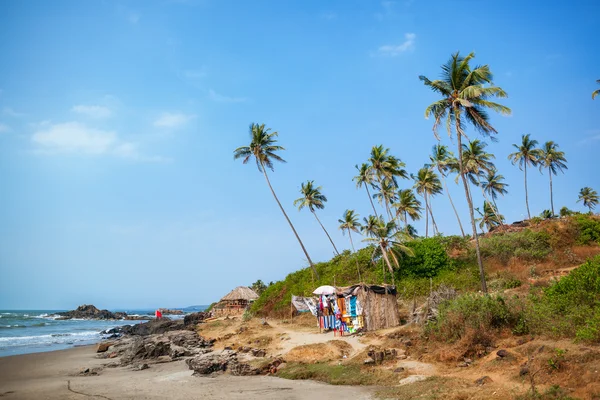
(526, 245)
(345, 374)
(588, 228)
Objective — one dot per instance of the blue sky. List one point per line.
(118, 121)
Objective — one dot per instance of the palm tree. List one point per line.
(427, 185)
(365, 178)
(390, 242)
(526, 154)
(493, 184)
(312, 198)
(596, 92)
(465, 96)
(490, 219)
(589, 197)
(387, 196)
(263, 147)
(349, 222)
(443, 159)
(554, 160)
(386, 169)
(407, 206)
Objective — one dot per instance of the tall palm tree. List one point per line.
(442, 159)
(427, 184)
(349, 222)
(490, 218)
(312, 198)
(263, 148)
(589, 197)
(553, 159)
(407, 206)
(526, 154)
(387, 196)
(387, 169)
(493, 184)
(390, 242)
(465, 96)
(596, 92)
(365, 178)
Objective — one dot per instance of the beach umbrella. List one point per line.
(324, 290)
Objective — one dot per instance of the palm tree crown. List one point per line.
(262, 147)
(427, 182)
(589, 197)
(408, 206)
(311, 197)
(349, 221)
(526, 154)
(552, 158)
(596, 92)
(386, 166)
(493, 184)
(476, 161)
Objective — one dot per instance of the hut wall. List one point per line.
(230, 308)
(380, 311)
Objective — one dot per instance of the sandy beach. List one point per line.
(49, 376)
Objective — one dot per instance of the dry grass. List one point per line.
(319, 352)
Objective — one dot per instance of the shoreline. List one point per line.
(56, 375)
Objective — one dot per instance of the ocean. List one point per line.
(32, 331)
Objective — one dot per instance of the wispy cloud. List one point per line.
(394, 50)
(79, 139)
(214, 96)
(173, 120)
(592, 135)
(12, 113)
(4, 128)
(92, 111)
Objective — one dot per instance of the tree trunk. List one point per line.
(289, 222)
(452, 203)
(526, 195)
(406, 221)
(325, 230)
(551, 199)
(387, 261)
(434, 225)
(426, 216)
(370, 199)
(355, 257)
(471, 213)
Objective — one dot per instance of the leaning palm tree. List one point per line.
(465, 96)
(349, 222)
(589, 197)
(490, 219)
(442, 159)
(493, 184)
(596, 92)
(263, 148)
(387, 196)
(390, 242)
(386, 169)
(526, 154)
(312, 198)
(554, 160)
(407, 206)
(427, 184)
(365, 178)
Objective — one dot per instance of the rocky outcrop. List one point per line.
(195, 318)
(88, 311)
(208, 363)
(168, 311)
(232, 362)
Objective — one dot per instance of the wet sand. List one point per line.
(47, 376)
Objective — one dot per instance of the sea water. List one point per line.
(32, 331)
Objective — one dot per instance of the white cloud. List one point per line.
(4, 128)
(592, 135)
(394, 50)
(214, 96)
(92, 111)
(12, 113)
(173, 120)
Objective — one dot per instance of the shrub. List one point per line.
(565, 212)
(526, 245)
(589, 229)
(429, 259)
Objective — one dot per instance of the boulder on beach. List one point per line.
(89, 311)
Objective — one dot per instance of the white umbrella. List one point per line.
(324, 290)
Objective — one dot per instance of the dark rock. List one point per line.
(195, 318)
(88, 311)
(258, 352)
(524, 370)
(483, 381)
(502, 353)
(399, 369)
(237, 368)
(167, 311)
(208, 363)
(153, 327)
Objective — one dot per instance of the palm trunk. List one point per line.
(452, 203)
(526, 195)
(325, 230)
(551, 199)
(370, 199)
(471, 213)
(434, 225)
(355, 257)
(387, 261)
(406, 221)
(289, 222)
(426, 216)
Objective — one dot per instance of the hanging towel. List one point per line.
(353, 306)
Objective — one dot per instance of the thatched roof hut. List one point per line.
(235, 302)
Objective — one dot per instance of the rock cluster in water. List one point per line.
(88, 311)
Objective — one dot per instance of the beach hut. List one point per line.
(359, 308)
(235, 302)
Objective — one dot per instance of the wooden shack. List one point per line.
(235, 302)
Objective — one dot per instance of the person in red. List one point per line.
(158, 314)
